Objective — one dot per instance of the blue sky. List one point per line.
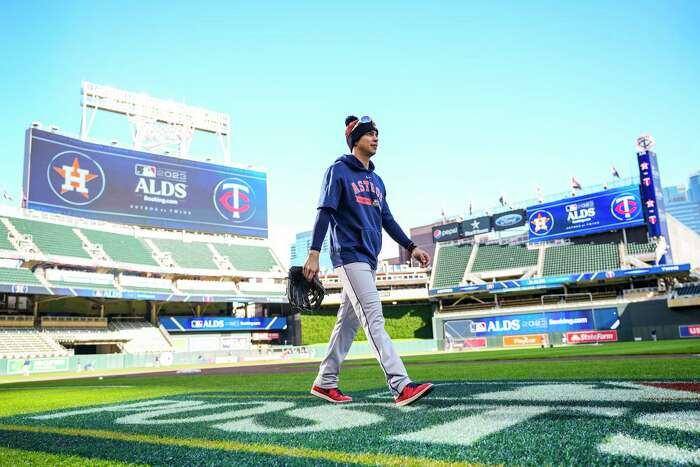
(472, 99)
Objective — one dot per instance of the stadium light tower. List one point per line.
(156, 124)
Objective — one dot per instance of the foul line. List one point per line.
(237, 446)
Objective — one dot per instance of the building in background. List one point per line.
(423, 237)
(684, 202)
(299, 250)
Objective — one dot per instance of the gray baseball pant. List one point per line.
(360, 303)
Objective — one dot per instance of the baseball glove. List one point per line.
(302, 294)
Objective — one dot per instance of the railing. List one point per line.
(564, 298)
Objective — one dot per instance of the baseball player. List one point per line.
(353, 202)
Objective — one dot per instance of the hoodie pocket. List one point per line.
(372, 241)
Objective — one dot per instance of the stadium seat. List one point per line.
(640, 248)
(578, 258)
(51, 238)
(5, 244)
(194, 255)
(249, 258)
(142, 336)
(18, 276)
(496, 257)
(120, 247)
(450, 265)
(26, 343)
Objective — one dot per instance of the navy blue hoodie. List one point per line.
(355, 198)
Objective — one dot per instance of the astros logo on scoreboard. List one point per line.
(541, 222)
(75, 178)
(234, 199)
(625, 207)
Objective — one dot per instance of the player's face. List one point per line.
(369, 142)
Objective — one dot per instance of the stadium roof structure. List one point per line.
(155, 123)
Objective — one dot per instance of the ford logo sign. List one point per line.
(509, 219)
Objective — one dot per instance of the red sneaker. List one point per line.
(331, 395)
(412, 392)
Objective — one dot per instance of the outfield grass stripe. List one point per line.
(236, 446)
(21, 457)
(623, 445)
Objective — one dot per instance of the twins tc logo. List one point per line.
(625, 207)
(234, 199)
(75, 178)
(541, 222)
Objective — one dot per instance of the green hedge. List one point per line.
(402, 322)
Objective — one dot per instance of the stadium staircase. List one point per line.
(221, 261)
(95, 250)
(163, 259)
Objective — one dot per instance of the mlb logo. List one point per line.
(145, 170)
(477, 327)
(197, 323)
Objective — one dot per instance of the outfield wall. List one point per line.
(512, 328)
(640, 318)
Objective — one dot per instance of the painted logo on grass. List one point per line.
(492, 422)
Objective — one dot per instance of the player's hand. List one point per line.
(422, 256)
(311, 266)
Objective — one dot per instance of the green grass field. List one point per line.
(621, 404)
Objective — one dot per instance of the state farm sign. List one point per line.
(586, 337)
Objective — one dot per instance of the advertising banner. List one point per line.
(612, 209)
(475, 226)
(193, 324)
(446, 232)
(468, 343)
(689, 330)
(524, 340)
(533, 323)
(551, 281)
(588, 337)
(522, 324)
(265, 336)
(36, 365)
(508, 219)
(76, 178)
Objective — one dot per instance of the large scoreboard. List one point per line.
(77, 178)
(612, 209)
